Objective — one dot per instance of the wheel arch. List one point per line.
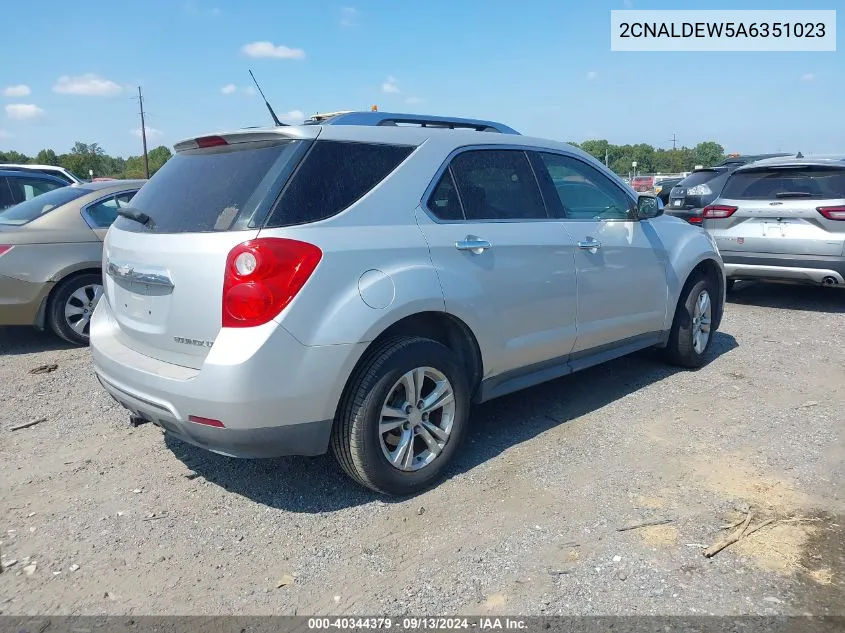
(57, 281)
(712, 270)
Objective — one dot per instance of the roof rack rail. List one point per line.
(394, 119)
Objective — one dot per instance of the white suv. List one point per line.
(361, 282)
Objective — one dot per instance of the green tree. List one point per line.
(13, 157)
(46, 157)
(708, 153)
(158, 157)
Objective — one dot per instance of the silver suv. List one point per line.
(359, 283)
(783, 219)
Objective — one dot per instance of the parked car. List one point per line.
(359, 286)
(642, 184)
(51, 170)
(664, 187)
(783, 219)
(51, 256)
(688, 198)
(19, 186)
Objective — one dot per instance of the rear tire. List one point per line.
(692, 329)
(71, 307)
(388, 443)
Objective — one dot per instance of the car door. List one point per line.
(506, 268)
(100, 214)
(620, 261)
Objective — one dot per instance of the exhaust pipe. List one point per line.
(829, 281)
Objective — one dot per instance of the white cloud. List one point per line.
(23, 111)
(348, 17)
(808, 77)
(249, 91)
(21, 90)
(413, 100)
(592, 74)
(268, 49)
(89, 85)
(228, 89)
(152, 133)
(294, 116)
(5, 134)
(390, 86)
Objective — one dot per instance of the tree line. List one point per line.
(652, 160)
(84, 158)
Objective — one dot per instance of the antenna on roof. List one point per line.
(272, 114)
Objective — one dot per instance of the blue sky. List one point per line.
(542, 66)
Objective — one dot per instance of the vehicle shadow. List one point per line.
(789, 297)
(16, 340)
(312, 485)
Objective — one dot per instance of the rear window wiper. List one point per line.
(138, 216)
(794, 194)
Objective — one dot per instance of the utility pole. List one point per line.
(144, 134)
(674, 140)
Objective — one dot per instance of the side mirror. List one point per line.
(648, 206)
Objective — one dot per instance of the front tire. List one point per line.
(71, 307)
(403, 416)
(692, 329)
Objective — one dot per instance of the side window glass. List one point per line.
(6, 198)
(497, 185)
(584, 191)
(33, 187)
(444, 202)
(103, 213)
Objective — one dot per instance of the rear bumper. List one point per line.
(278, 400)
(814, 269)
(21, 300)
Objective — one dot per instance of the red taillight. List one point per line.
(696, 219)
(831, 213)
(717, 212)
(262, 278)
(5, 248)
(207, 421)
(211, 141)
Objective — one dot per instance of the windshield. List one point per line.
(38, 206)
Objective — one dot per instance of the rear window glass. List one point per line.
(212, 190)
(767, 184)
(698, 177)
(332, 176)
(39, 205)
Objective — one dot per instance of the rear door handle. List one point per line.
(589, 244)
(473, 244)
(127, 272)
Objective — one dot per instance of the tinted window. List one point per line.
(497, 185)
(38, 206)
(212, 190)
(585, 192)
(767, 184)
(103, 213)
(332, 176)
(24, 188)
(6, 199)
(444, 202)
(698, 177)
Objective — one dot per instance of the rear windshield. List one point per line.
(39, 205)
(698, 177)
(777, 183)
(222, 189)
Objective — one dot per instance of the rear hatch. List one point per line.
(164, 269)
(697, 190)
(789, 209)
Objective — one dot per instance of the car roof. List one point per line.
(798, 161)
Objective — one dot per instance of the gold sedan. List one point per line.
(51, 256)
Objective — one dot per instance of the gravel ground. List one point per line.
(106, 519)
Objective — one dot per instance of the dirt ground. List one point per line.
(97, 517)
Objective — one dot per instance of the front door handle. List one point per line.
(473, 244)
(590, 244)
